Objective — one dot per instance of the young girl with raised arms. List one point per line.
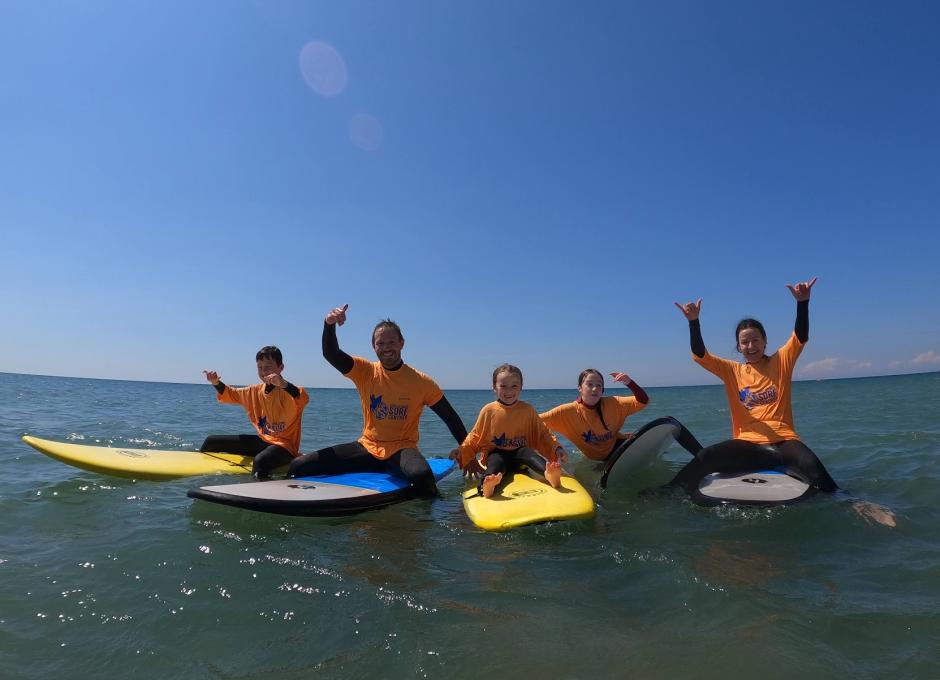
(509, 432)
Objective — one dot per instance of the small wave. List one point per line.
(146, 442)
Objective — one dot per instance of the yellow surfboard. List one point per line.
(141, 463)
(525, 500)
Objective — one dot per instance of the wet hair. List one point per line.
(507, 368)
(270, 352)
(387, 323)
(749, 323)
(600, 409)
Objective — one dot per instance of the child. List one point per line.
(509, 432)
(274, 406)
(593, 421)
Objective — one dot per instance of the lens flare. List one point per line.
(365, 132)
(323, 68)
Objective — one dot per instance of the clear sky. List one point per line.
(530, 181)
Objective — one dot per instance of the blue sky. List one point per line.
(532, 182)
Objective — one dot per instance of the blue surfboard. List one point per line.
(340, 494)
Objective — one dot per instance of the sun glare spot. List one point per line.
(365, 132)
(323, 68)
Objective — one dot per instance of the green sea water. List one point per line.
(112, 578)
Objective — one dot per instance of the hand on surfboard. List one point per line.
(337, 315)
(690, 310)
(471, 470)
(212, 377)
(801, 291)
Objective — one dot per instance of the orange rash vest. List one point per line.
(276, 415)
(582, 426)
(759, 394)
(392, 402)
(508, 427)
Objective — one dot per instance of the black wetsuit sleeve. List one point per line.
(341, 361)
(639, 393)
(219, 387)
(695, 338)
(292, 390)
(446, 412)
(802, 321)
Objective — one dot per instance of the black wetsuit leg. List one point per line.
(727, 457)
(799, 456)
(411, 465)
(531, 458)
(271, 457)
(497, 461)
(351, 457)
(354, 457)
(266, 456)
(684, 438)
(242, 444)
(502, 460)
(736, 455)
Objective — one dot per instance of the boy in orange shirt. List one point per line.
(509, 432)
(274, 406)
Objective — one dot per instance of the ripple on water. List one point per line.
(160, 586)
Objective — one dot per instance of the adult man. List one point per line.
(393, 395)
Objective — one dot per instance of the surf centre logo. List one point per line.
(130, 453)
(751, 399)
(302, 486)
(382, 411)
(754, 480)
(590, 438)
(270, 428)
(527, 492)
(504, 442)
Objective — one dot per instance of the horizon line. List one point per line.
(467, 389)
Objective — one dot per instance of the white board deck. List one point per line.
(764, 486)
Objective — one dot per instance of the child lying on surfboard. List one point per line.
(509, 432)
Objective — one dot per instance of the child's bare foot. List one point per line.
(490, 482)
(553, 473)
(875, 513)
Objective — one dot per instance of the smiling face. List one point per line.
(751, 343)
(388, 344)
(591, 388)
(507, 386)
(267, 366)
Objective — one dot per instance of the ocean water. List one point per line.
(110, 578)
